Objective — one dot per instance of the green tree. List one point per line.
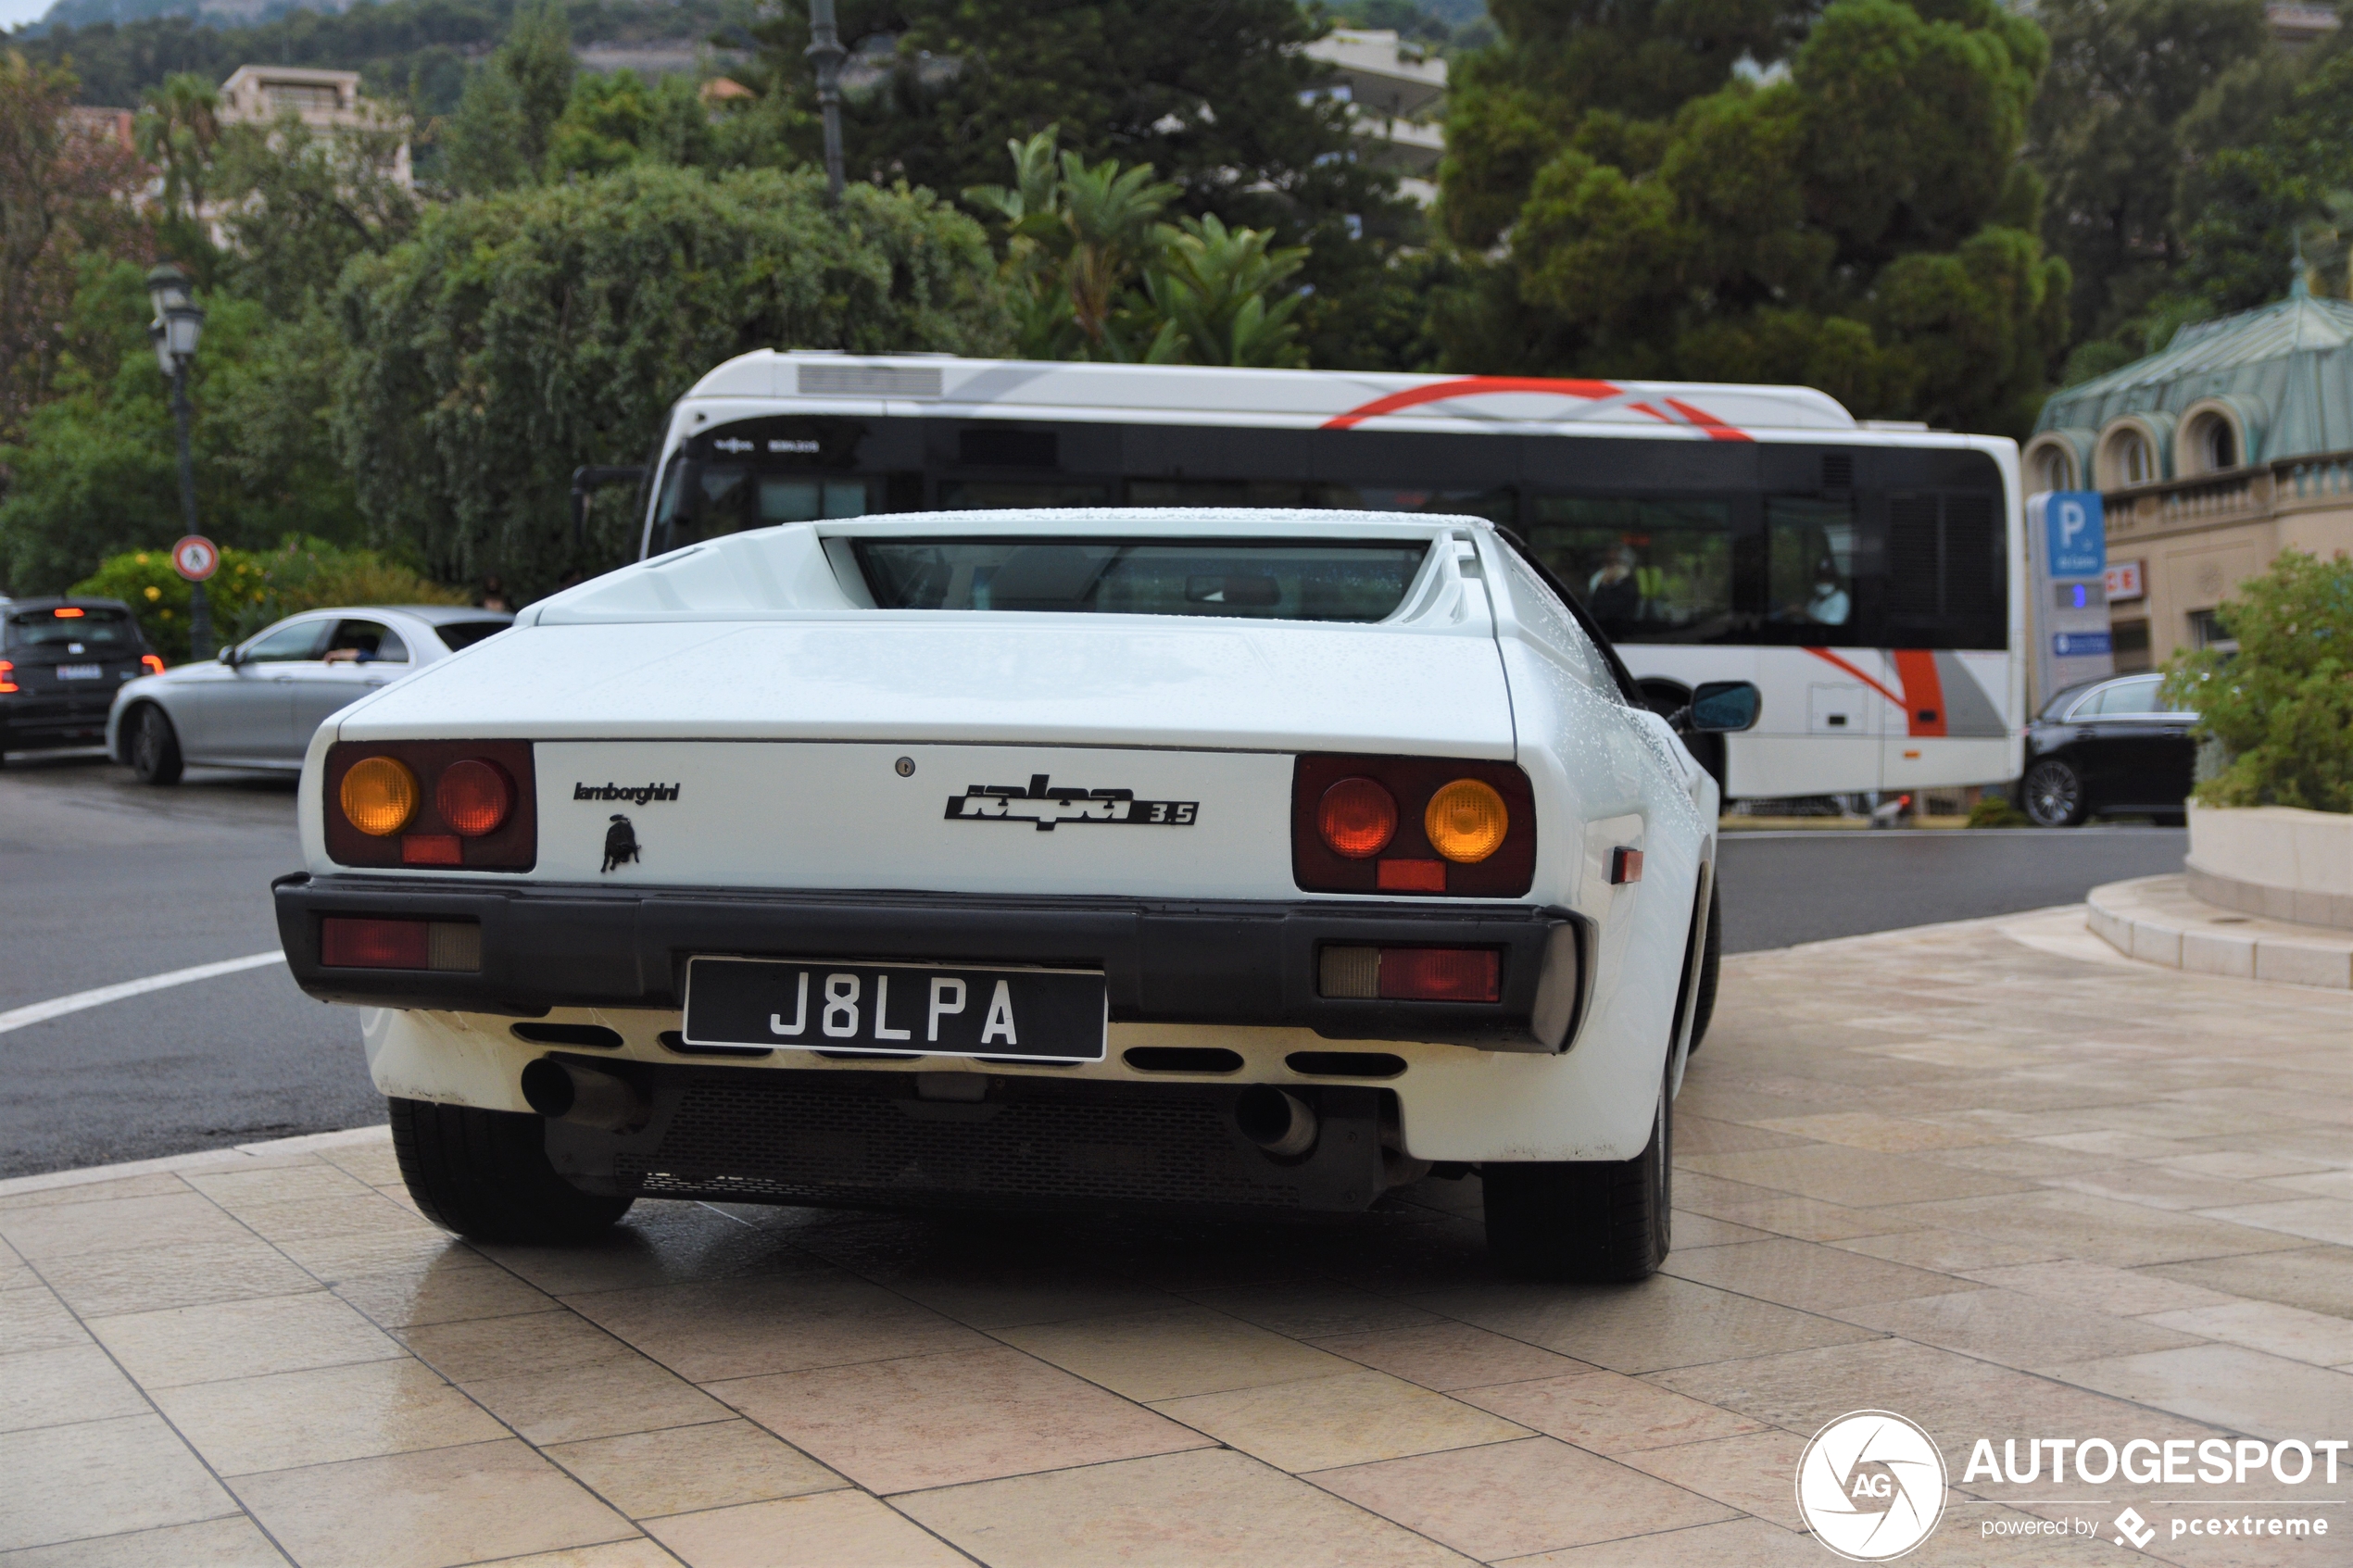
(506, 120)
(177, 129)
(2286, 191)
(521, 335)
(621, 117)
(297, 204)
(253, 588)
(1096, 274)
(1862, 224)
(97, 473)
(63, 198)
(1214, 95)
(2138, 94)
(2280, 705)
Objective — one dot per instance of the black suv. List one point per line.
(61, 661)
(2107, 745)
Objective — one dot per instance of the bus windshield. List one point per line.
(1258, 579)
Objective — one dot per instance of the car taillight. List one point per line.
(348, 942)
(474, 796)
(1411, 824)
(462, 804)
(6, 669)
(1412, 974)
(151, 663)
(69, 613)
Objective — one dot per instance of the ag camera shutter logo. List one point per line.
(1871, 1485)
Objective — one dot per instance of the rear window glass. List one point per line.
(466, 633)
(91, 628)
(1251, 578)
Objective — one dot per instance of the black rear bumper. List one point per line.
(1163, 960)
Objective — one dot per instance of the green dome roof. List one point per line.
(2292, 360)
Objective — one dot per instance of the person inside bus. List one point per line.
(1613, 595)
(1830, 606)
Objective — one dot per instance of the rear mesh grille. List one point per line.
(868, 381)
(793, 1142)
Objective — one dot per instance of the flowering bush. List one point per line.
(2282, 706)
(254, 588)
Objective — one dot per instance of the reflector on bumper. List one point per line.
(1412, 974)
(347, 943)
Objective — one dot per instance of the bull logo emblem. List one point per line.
(621, 842)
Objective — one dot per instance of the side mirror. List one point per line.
(229, 656)
(1722, 708)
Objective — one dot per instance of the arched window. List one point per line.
(2053, 468)
(2213, 438)
(2127, 457)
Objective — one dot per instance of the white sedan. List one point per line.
(258, 704)
(1244, 860)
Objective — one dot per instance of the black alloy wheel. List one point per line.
(155, 749)
(2053, 795)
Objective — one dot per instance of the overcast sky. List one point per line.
(15, 13)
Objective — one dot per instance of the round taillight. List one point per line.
(378, 795)
(474, 796)
(1357, 819)
(1466, 821)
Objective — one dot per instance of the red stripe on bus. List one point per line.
(1924, 691)
(1474, 387)
(1828, 658)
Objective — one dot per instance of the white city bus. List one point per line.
(1870, 580)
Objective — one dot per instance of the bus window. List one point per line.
(1496, 506)
(997, 494)
(1649, 572)
(1809, 558)
(1221, 493)
(798, 498)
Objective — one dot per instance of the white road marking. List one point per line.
(40, 1012)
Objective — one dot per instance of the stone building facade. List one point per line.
(2233, 444)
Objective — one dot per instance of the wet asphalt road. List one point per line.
(105, 880)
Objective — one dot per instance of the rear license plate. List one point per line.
(905, 1010)
(79, 671)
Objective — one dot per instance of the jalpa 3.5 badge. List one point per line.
(1871, 1485)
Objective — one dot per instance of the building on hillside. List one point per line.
(1391, 87)
(104, 124)
(2298, 27)
(326, 100)
(2233, 444)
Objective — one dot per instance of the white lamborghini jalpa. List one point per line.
(1237, 860)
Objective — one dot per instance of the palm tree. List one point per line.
(179, 128)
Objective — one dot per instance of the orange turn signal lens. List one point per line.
(474, 796)
(1357, 819)
(1466, 821)
(69, 613)
(378, 795)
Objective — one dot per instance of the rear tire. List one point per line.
(1711, 961)
(2052, 794)
(485, 1175)
(154, 747)
(1589, 1221)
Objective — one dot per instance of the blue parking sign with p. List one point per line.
(2076, 530)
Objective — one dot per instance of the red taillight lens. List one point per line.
(1412, 974)
(1440, 974)
(6, 669)
(1357, 819)
(151, 663)
(357, 942)
(374, 944)
(474, 796)
(69, 613)
(432, 849)
(1426, 826)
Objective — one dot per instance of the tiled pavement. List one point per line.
(1994, 1178)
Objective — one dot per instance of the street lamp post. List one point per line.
(826, 53)
(178, 325)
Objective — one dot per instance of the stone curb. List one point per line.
(201, 1159)
(2156, 920)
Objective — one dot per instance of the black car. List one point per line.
(2109, 746)
(61, 661)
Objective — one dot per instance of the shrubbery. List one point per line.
(254, 588)
(2282, 706)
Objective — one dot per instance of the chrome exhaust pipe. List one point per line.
(564, 1092)
(1281, 1123)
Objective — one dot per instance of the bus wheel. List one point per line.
(2053, 795)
